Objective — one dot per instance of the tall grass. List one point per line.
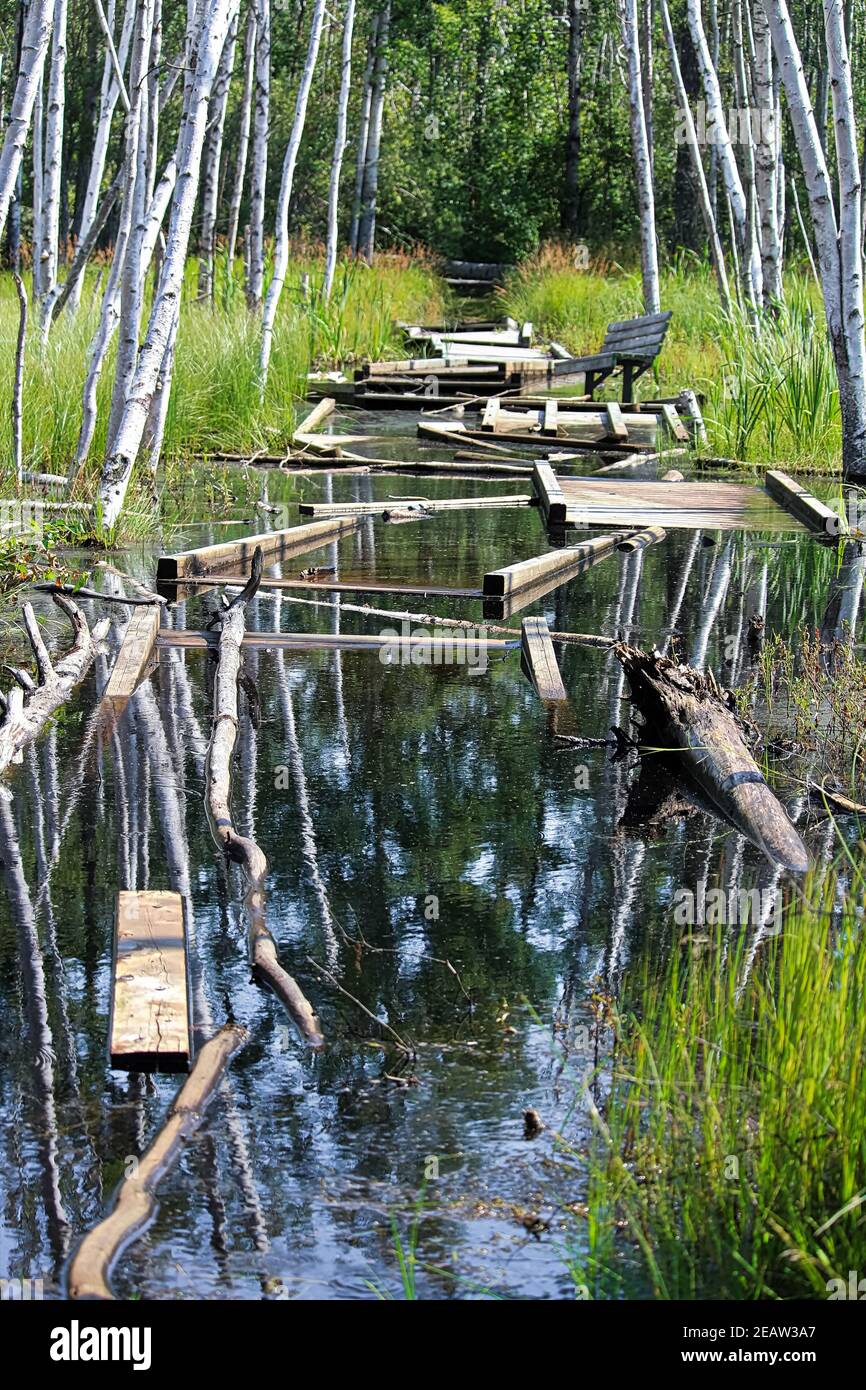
(731, 1148)
(770, 395)
(215, 397)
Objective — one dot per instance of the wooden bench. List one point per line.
(631, 346)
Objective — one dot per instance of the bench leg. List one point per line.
(627, 380)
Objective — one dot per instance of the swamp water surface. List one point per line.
(461, 873)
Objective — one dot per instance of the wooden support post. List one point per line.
(136, 655)
(538, 660)
(550, 424)
(804, 506)
(617, 430)
(150, 1025)
(550, 495)
(276, 546)
(525, 339)
(491, 412)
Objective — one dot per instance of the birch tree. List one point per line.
(255, 252)
(838, 241)
(34, 46)
(47, 248)
(281, 250)
(211, 165)
(339, 148)
(363, 134)
(367, 223)
(571, 209)
(210, 39)
(766, 160)
(642, 159)
(243, 135)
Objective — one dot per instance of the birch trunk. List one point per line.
(34, 46)
(367, 224)
(571, 211)
(838, 244)
(716, 253)
(243, 136)
(642, 160)
(256, 253)
(211, 166)
(119, 463)
(48, 247)
(719, 138)
(363, 135)
(766, 161)
(281, 251)
(339, 148)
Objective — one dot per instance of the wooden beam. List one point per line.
(804, 505)
(150, 1023)
(136, 655)
(491, 412)
(675, 424)
(550, 423)
(641, 539)
(337, 586)
(538, 660)
(557, 565)
(329, 641)
(394, 504)
(550, 495)
(276, 546)
(617, 429)
(316, 417)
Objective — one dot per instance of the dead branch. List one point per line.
(135, 1204)
(56, 681)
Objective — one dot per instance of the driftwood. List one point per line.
(23, 718)
(239, 848)
(135, 1205)
(685, 711)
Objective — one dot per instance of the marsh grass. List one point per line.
(770, 396)
(215, 402)
(730, 1148)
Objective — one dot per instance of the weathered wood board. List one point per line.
(135, 656)
(442, 504)
(802, 504)
(344, 641)
(538, 660)
(150, 1022)
(276, 546)
(639, 503)
(557, 566)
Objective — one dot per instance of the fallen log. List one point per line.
(238, 848)
(27, 713)
(686, 712)
(135, 1204)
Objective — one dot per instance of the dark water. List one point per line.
(462, 874)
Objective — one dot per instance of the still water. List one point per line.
(461, 873)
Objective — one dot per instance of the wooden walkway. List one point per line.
(640, 503)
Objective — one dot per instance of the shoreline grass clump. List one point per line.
(729, 1157)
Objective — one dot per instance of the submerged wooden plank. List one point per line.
(802, 504)
(135, 656)
(329, 641)
(393, 504)
(150, 1024)
(337, 586)
(538, 660)
(276, 546)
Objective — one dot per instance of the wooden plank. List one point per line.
(135, 656)
(638, 502)
(558, 566)
(447, 504)
(617, 429)
(538, 660)
(802, 504)
(641, 539)
(675, 424)
(329, 641)
(276, 546)
(316, 417)
(549, 493)
(491, 412)
(150, 1023)
(525, 335)
(550, 424)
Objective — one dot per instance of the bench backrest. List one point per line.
(641, 338)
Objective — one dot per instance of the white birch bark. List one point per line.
(717, 255)
(211, 164)
(117, 470)
(281, 250)
(642, 159)
(363, 135)
(48, 248)
(38, 157)
(339, 149)
(243, 136)
(719, 138)
(34, 46)
(258, 176)
(766, 161)
(838, 244)
(367, 224)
